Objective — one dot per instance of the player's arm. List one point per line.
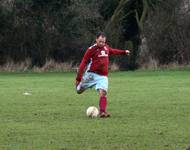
(113, 51)
(82, 66)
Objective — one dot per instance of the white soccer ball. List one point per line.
(92, 111)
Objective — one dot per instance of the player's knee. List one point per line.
(102, 92)
(79, 92)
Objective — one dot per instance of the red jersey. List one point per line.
(98, 58)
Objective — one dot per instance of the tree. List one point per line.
(167, 33)
(59, 29)
(126, 25)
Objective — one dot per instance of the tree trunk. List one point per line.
(116, 25)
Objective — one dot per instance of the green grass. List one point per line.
(150, 111)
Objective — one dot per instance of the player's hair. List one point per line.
(102, 34)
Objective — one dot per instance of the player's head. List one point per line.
(101, 39)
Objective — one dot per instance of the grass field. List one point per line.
(150, 111)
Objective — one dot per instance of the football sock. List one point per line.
(103, 103)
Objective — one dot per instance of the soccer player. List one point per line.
(97, 58)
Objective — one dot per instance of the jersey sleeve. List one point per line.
(83, 64)
(113, 51)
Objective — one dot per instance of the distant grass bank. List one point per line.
(53, 66)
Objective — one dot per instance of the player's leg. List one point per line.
(103, 100)
(80, 89)
(103, 103)
(87, 82)
(102, 88)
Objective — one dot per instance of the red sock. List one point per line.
(103, 103)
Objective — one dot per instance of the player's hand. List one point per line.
(127, 52)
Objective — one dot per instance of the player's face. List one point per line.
(101, 41)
